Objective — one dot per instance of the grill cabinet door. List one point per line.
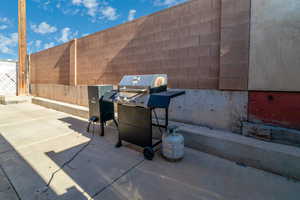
(135, 125)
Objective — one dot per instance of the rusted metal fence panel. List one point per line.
(275, 108)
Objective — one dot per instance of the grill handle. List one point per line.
(133, 90)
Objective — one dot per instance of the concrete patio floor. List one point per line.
(35, 142)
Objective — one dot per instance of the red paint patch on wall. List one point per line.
(278, 108)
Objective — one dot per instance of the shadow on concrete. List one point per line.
(25, 180)
(78, 125)
(99, 163)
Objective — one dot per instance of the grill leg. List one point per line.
(167, 118)
(88, 127)
(102, 129)
(116, 122)
(148, 153)
(119, 143)
(91, 120)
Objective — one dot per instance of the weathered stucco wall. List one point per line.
(212, 108)
(65, 93)
(275, 45)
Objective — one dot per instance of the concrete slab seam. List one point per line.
(116, 179)
(66, 163)
(5, 152)
(43, 141)
(25, 121)
(10, 182)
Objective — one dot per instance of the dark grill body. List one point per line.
(137, 97)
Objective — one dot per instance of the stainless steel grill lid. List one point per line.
(134, 90)
(143, 81)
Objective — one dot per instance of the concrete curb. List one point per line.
(276, 158)
(6, 100)
(72, 109)
(272, 133)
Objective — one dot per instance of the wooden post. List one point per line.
(22, 83)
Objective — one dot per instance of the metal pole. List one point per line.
(22, 83)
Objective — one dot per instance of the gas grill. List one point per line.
(137, 97)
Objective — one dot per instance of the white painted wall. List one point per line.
(8, 78)
(275, 45)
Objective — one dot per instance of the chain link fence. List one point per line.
(8, 78)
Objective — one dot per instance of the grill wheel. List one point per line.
(148, 153)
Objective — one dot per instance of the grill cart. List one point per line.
(137, 97)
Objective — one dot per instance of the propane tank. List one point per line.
(172, 144)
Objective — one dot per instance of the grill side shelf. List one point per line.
(162, 99)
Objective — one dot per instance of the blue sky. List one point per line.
(53, 22)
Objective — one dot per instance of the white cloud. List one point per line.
(131, 14)
(2, 27)
(96, 9)
(43, 28)
(7, 43)
(38, 44)
(49, 45)
(109, 13)
(4, 20)
(167, 2)
(45, 4)
(4, 23)
(66, 35)
(90, 5)
(29, 46)
(58, 5)
(34, 45)
(76, 2)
